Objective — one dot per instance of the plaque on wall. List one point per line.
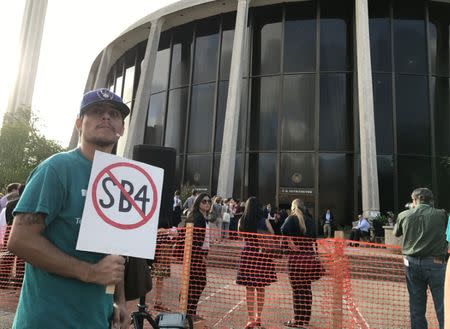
(201, 189)
(297, 190)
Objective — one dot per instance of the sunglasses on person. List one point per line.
(205, 201)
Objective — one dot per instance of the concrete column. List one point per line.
(369, 172)
(94, 81)
(230, 131)
(103, 69)
(138, 121)
(30, 47)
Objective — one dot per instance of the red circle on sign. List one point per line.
(110, 221)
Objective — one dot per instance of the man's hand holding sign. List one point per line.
(121, 212)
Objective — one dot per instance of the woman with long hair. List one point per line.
(256, 268)
(197, 282)
(301, 253)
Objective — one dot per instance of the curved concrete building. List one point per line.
(344, 103)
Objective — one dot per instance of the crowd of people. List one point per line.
(424, 248)
(256, 269)
(224, 214)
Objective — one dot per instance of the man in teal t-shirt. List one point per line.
(64, 287)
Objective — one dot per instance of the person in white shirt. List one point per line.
(11, 192)
(327, 222)
(225, 222)
(361, 229)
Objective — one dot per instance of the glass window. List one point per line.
(161, 71)
(443, 177)
(181, 56)
(413, 172)
(176, 119)
(336, 186)
(242, 130)
(297, 170)
(297, 125)
(229, 22)
(198, 170)
(247, 48)
(262, 177)
(155, 119)
(380, 35)
(220, 114)
(201, 118)
(118, 85)
(336, 35)
(300, 37)
(128, 86)
(215, 176)
(413, 119)
(385, 165)
(264, 113)
(336, 114)
(237, 175)
(179, 171)
(266, 40)
(439, 38)
(441, 104)
(206, 48)
(409, 36)
(382, 106)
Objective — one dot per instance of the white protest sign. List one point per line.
(121, 211)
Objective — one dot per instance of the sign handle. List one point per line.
(110, 288)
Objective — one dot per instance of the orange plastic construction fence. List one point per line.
(231, 278)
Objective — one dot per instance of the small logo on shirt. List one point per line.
(83, 192)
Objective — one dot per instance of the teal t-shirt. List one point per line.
(448, 229)
(57, 187)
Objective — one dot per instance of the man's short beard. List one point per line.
(102, 142)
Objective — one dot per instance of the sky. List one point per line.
(75, 32)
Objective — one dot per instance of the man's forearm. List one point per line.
(27, 242)
(119, 293)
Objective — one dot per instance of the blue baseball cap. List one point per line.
(103, 95)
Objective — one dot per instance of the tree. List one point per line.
(22, 146)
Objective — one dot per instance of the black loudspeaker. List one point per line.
(165, 158)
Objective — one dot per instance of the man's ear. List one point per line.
(121, 130)
(78, 124)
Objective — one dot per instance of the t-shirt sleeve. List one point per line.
(448, 229)
(44, 193)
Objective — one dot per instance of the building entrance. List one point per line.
(285, 199)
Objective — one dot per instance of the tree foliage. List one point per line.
(22, 146)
